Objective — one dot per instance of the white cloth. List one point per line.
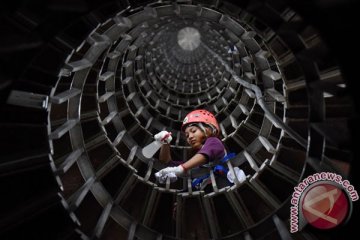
(164, 137)
(169, 172)
(240, 175)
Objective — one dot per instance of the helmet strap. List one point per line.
(202, 127)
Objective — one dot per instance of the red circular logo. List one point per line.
(325, 206)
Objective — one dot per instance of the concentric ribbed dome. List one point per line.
(264, 72)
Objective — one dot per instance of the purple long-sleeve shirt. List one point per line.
(213, 149)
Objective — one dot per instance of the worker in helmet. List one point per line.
(202, 134)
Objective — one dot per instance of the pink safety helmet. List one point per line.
(200, 116)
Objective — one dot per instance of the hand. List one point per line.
(177, 171)
(163, 137)
(163, 177)
(169, 172)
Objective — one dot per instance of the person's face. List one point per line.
(194, 136)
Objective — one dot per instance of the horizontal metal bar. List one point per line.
(105, 76)
(69, 161)
(268, 146)
(60, 131)
(106, 96)
(27, 99)
(270, 75)
(66, 95)
(78, 65)
(275, 95)
(109, 117)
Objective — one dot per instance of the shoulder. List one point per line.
(213, 140)
(213, 143)
(213, 149)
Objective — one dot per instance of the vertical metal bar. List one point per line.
(118, 138)
(231, 169)
(251, 161)
(149, 170)
(167, 186)
(102, 220)
(76, 199)
(150, 207)
(244, 218)
(131, 155)
(263, 193)
(213, 181)
(211, 218)
(132, 231)
(179, 206)
(247, 236)
(124, 190)
(282, 229)
(189, 185)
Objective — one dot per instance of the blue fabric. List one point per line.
(196, 182)
(220, 170)
(227, 157)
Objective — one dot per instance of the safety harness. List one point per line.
(219, 170)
